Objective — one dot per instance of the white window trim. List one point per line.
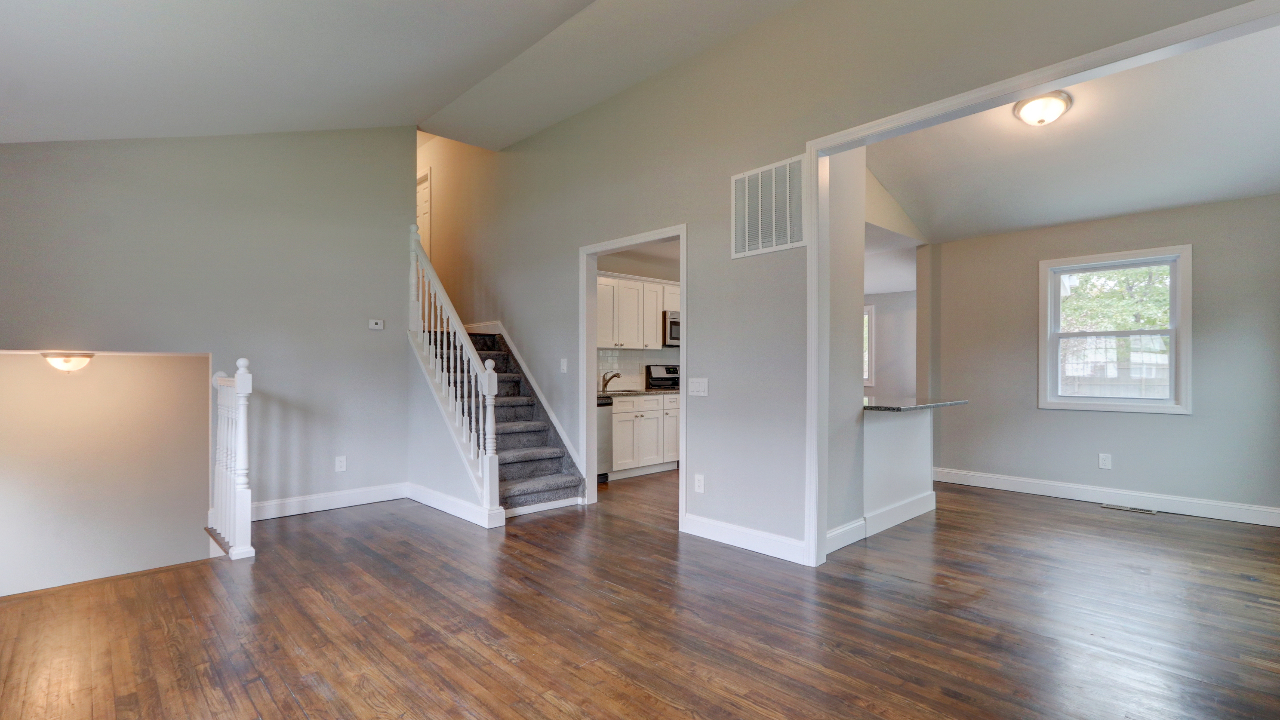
(869, 312)
(1180, 319)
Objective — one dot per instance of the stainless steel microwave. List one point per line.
(671, 328)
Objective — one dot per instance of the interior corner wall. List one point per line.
(278, 248)
(1225, 450)
(103, 471)
(661, 153)
(461, 203)
(894, 345)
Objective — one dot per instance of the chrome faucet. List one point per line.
(608, 378)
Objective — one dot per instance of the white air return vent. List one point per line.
(767, 209)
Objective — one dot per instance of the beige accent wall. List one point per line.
(662, 153)
(279, 248)
(1226, 450)
(103, 471)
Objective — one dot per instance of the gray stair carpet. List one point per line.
(533, 465)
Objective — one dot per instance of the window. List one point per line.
(868, 345)
(1116, 332)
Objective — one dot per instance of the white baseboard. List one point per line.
(746, 538)
(269, 509)
(1212, 509)
(643, 470)
(898, 513)
(457, 507)
(539, 507)
(846, 534)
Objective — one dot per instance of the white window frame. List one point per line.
(1179, 256)
(869, 321)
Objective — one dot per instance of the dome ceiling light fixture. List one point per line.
(67, 362)
(1043, 109)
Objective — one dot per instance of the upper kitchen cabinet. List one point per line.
(629, 312)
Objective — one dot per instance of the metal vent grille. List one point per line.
(767, 209)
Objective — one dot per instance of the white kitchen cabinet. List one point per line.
(637, 439)
(629, 312)
(624, 440)
(671, 435)
(651, 315)
(606, 312)
(671, 298)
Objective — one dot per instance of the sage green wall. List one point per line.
(1226, 450)
(661, 154)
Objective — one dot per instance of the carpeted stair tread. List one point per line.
(529, 486)
(520, 426)
(517, 455)
(513, 400)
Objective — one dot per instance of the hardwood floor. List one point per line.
(1001, 606)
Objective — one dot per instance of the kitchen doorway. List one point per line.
(633, 318)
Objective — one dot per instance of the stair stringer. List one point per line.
(495, 327)
(492, 518)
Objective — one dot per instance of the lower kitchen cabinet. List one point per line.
(646, 437)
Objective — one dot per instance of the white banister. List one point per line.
(465, 386)
(232, 514)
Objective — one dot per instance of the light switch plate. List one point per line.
(340, 463)
(698, 387)
(564, 365)
(375, 324)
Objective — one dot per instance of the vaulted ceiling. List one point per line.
(1195, 128)
(488, 72)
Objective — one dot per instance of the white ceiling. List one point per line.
(144, 68)
(1195, 128)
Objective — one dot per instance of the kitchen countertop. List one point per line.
(906, 404)
(633, 393)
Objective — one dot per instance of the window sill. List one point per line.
(1115, 406)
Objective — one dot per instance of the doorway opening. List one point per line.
(632, 328)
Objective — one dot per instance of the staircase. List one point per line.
(533, 465)
(511, 450)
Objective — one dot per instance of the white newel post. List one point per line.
(490, 436)
(240, 540)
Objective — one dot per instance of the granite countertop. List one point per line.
(906, 404)
(633, 393)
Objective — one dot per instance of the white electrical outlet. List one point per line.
(698, 386)
(375, 325)
(699, 482)
(340, 463)
(564, 365)
(1104, 461)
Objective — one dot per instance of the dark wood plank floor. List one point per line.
(998, 605)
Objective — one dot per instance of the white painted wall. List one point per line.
(103, 471)
(278, 248)
(662, 153)
(1226, 450)
(895, 345)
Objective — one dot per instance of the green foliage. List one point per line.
(1120, 299)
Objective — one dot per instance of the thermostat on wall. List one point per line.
(375, 324)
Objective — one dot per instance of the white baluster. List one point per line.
(239, 539)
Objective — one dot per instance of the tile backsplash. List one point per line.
(631, 364)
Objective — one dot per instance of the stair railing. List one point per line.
(232, 514)
(465, 387)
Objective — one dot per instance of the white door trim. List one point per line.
(588, 369)
(1201, 32)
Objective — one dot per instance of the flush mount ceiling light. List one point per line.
(68, 362)
(1043, 109)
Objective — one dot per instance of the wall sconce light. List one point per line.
(1044, 109)
(68, 362)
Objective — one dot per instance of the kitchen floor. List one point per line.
(997, 605)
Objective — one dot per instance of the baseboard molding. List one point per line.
(644, 470)
(539, 507)
(746, 538)
(898, 513)
(495, 327)
(847, 534)
(1212, 509)
(269, 509)
(456, 507)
